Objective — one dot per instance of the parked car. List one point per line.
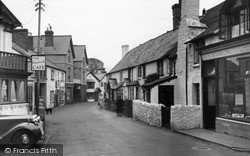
(21, 130)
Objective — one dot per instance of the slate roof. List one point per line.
(61, 44)
(80, 52)
(149, 51)
(29, 53)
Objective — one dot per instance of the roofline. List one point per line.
(93, 75)
(18, 23)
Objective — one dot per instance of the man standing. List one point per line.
(119, 105)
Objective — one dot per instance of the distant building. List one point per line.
(80, 72)
(96, 85)
(60, 50)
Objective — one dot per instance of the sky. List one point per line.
(103, 26)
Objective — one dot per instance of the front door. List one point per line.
(209, 103)
(166, 97)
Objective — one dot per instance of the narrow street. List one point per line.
(86, 130)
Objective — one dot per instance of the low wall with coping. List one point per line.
(185, 117)
(147, 112)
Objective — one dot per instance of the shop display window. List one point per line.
(234, 87)
(12, 91)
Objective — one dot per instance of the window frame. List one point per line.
(17, 91)
(160, 68)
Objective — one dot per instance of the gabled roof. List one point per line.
(93, 76)
(80, 52)
(149, 51)
(7, 16)
(99, 76)
(29, 53)
(61, 44)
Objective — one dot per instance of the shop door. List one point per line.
(209, 103)
(166, 97)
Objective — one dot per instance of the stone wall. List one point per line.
(147, 112)
(185, 117)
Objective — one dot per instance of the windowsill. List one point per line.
(196, 65)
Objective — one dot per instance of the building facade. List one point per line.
(60, 50)
(225, 49)
(13, 69)
(80, 72)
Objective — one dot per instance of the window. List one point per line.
(52, 96)
(52, 75)
(101, 84)
(121, 76)
(5, 90)
(62, 78)
(139, 71)
(234, 88)
(69, 72)
(170, 67)
(12, 91)
(83, 76)
(160, 68)
(137, 93)
(91, 85)
(234, 20)
(144, 71)
(130, 74)
(131, 93)
(69, 58)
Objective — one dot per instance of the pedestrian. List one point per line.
(119, 105)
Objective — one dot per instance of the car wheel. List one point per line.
(24, 139)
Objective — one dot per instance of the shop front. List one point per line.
(226, 86)
(13, 84)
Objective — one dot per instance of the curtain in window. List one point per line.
(13, 90)
(5, 90)
(21, 92)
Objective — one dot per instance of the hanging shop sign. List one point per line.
(38, 63)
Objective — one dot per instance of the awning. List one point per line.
(159, 81)
(90, 80)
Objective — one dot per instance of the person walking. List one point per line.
(119, 105)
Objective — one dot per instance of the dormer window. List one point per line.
(234, 19)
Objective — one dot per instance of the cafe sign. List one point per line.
(38, 63)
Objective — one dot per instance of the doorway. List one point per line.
(166, 97)
(209, 103)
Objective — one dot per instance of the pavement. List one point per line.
(234, 143)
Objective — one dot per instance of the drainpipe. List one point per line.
(186, 83)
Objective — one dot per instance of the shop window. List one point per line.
(234, 88)
(12, 90)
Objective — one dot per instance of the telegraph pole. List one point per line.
(37, 95)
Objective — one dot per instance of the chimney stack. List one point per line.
(125, 50)
(176, 8)
(20, 37)
(49, 34)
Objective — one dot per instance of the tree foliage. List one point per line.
(152, 77)
(94, 64)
